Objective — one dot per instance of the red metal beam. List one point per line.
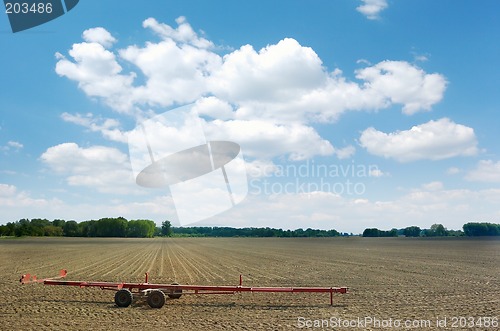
(202, 288)
(196, 289)
(143, 286)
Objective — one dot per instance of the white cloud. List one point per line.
(11, 145)
(346, 152)
(282, 82)
(400, 82)
(15, 202)
(98, 35)
(434, 140)
(376, 172)
(268, 75)
(8, 172)
(420, 57)
(98, 74)
(174, 73)
(259, 168)
(214, 108)
(109, 127)
(22, 204)
(486, 171)
(452, 171)
(183, 34)
(282, 87)
(15, 144)
(433, 186)
(326, 210)
(372, 8)
(7, 190)
(265, 140)
(102, 168)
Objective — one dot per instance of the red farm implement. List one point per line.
(156, 294)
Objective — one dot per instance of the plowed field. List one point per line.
(415, 280)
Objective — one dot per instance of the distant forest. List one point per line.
(438, 230)
(121, 227)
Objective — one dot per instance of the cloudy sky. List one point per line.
(350, 114)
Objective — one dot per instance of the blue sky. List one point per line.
(406, 91)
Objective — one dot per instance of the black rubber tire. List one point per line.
(175, 294)
(156, 299)
(123, 298)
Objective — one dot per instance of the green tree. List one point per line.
(166, 228)
(412, 231)
(111, 227)
(141, 228)
(8, 229)
(52, 231)
(23, 228)
(59, 223)
(438, 230)
(38, 225)
(371, 232)
(87, 228)
(71, 229)
(481, 229)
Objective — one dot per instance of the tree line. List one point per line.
(104, 227)
(471, 229)
(251, 232)
(121, 227)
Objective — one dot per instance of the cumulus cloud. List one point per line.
(174, 72)
(372, 8)
(434, 140)
(376, 172)
(433, 186)
(98, 74)
(7, 190)
(265, 140)
(486, 171)
(15, 144)
(327, 210)
(401, 83)
(16, 202)
(346, 152)
(258, 168)
(283, 87)
(104, 168)
(109, 128)
(99, 35)
(184, 33)
(214, 107)
(269, 74)
(12, 145)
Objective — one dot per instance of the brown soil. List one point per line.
(389, 279)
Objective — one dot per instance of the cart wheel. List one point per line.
(176, 294)
(156, 299)
(123, 298)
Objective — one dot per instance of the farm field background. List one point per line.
(389, 278)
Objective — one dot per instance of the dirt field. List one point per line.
(414, 280)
